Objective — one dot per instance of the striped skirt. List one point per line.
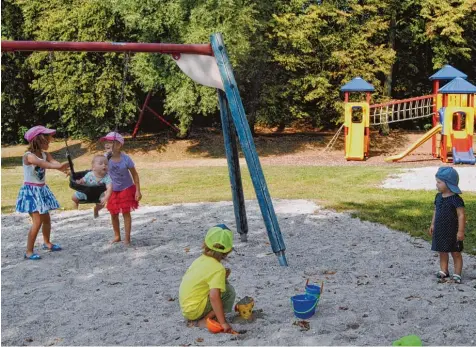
(36, 199)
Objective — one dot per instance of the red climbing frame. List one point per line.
(141, 115)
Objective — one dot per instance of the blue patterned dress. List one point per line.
(35, 195)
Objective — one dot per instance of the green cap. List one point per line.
(222, 235)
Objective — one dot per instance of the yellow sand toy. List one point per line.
(245, 307)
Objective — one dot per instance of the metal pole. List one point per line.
(167, 48)
(141, 115)
(233, 160)
(249, 149)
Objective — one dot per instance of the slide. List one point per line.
(355, 142)
(417, 144)
(462, 149)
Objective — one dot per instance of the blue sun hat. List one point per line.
(450, 177)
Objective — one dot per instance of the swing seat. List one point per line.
(92, 193)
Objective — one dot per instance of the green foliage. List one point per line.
(17, 109)
(290, 58)
(324, 46)
(186, 22)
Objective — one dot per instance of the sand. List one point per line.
(379, 283)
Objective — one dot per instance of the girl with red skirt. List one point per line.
(125, 186)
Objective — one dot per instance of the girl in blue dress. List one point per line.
(35, 197)
(447, 225)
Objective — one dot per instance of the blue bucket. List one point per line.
(313, 290)
(304, 306)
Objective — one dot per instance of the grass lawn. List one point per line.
(352, 189)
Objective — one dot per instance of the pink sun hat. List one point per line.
(113, 136)
(37, 130)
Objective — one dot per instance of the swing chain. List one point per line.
(124, 81)
(55, 89)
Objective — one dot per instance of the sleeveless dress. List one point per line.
(446, 223)
(35, 195)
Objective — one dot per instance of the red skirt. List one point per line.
(123, 201)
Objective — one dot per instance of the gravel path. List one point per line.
(424, 178)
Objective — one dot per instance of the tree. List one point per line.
(86, 86)
(18, 110)
(323, 46)
(187, 22)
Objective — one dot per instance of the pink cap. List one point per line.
(113, 136)
(37, 130)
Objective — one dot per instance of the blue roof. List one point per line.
(357, 85)
(447, 72)
(458, 86)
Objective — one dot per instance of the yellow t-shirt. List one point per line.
(204, 274)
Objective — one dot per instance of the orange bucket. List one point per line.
(213, 326)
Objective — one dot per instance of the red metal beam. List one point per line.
(394, 102)
(167, 48)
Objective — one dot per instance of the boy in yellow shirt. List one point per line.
(204, 291)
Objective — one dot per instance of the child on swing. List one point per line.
(447, 225)
(126, 193)
(205, 291)
(35, 197)
(97, 176)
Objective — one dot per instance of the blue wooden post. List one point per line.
(233, 160)
(248, 147)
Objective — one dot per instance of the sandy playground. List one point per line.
(379, 283)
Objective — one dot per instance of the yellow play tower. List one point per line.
(357, 120)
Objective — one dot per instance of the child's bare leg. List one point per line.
(458, 260)
(35, 228)
(127, 227)
(46, 228)
(97, 208)
(75, 201)
(116, 227)
(444, 258)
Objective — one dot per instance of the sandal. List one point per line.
(442, 274)
(54, 247)
(456, 278)
(34, 256)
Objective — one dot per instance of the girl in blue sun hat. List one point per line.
(35, 197)
(447, 225)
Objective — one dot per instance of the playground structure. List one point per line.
(207, 64)
(452, 108)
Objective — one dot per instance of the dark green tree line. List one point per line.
(290, 57)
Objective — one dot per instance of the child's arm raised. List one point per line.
(46, 164)
(217, 305)
(135, 177)
(461, 223)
